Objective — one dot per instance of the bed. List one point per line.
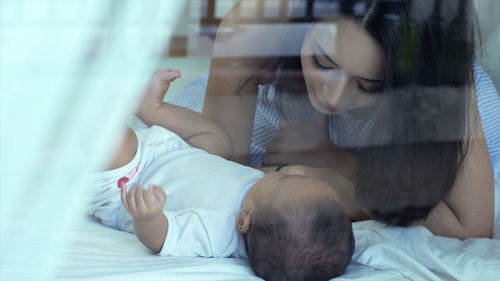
(96, 252)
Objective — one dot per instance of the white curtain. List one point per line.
(69, 75)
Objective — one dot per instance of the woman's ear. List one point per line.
(244, 220)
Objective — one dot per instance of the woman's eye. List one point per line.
(367, 90)
(318, 64)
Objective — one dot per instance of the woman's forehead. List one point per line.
(349, 45)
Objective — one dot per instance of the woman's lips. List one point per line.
(326, 107)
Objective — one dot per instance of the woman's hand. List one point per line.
(307, 143)
(143, 204)
(295, 143)
(341, 184)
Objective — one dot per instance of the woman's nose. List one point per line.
(335, 91)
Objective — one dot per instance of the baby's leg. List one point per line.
(126, 151)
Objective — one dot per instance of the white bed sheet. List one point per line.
(96, 252)
(100, 253)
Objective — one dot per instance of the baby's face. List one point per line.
(281, 187)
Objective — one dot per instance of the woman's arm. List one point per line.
(468, 211)
(235, 73)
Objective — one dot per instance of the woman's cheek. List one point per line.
(314, 80)
(366, 101)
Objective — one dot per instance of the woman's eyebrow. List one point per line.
(323, 53)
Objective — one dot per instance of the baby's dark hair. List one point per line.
(307, 241)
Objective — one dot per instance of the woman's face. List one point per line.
(343, 67)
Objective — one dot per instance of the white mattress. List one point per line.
(382, 253)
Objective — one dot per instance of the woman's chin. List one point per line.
(323, 108)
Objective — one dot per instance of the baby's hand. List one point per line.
(143, 203)
(154, 91)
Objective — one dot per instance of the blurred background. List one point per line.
(69, 75)
(192, 25)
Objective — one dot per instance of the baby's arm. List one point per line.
(194, 128)
(146, 208)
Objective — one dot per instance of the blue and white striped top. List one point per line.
(268, 116)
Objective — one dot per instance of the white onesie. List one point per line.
(204, 194)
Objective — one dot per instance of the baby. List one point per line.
(290, 227)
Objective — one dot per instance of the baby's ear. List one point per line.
(244, 220)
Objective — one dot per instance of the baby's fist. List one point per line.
(143, 203)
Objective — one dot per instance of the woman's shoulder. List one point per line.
(488, 100)
(484, 84)
(488, 103)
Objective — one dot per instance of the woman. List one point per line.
(380, 92)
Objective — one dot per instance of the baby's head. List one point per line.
(295, 229)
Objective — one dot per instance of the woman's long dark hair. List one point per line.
(421, 133)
